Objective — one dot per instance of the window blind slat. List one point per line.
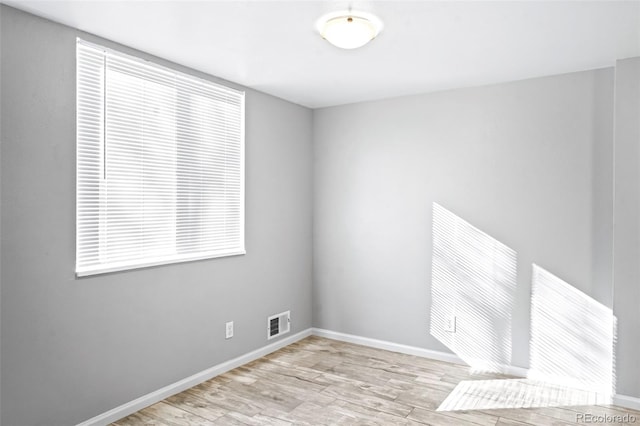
(159, 166)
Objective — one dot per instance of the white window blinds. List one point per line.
(160, 165)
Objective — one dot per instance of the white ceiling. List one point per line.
(425, 46)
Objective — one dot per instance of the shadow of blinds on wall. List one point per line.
(573, 336)
(474, 280)
(160, 164)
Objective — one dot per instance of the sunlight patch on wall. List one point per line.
(516, 393)
(473, 280)
(572, 336)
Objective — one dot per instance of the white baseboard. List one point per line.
(627, 402)
(389, 346)
(184, 384)
(410, 350)
(509, 370)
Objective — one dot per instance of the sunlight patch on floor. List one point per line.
(516, 393)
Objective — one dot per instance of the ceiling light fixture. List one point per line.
(349, 29)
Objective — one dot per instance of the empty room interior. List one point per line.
(319, 213)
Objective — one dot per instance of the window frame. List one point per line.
(134, 264)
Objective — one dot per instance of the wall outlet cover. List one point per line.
(229, 330)
(450, 326)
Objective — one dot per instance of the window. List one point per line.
(160, 165)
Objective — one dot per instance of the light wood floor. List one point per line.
(320, 381)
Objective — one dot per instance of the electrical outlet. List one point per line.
(450, 326)
(229, 330)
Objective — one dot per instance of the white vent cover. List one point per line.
(278, 324)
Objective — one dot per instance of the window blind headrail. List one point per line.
(97, 51)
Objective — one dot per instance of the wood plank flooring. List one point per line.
(319, 381)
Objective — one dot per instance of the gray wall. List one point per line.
(627, 220)
(529, 163)
(74, 348)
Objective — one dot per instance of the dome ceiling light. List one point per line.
(349, 29)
